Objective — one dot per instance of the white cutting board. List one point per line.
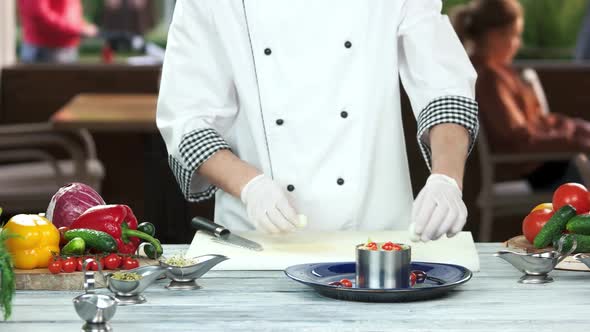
(281, 251)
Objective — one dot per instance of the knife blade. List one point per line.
(224, 235)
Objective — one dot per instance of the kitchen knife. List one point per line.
(223, 234)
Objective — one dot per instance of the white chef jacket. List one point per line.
(307, 91)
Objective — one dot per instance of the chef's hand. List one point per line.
(268, 206)
(438, 209)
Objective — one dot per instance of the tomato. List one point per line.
(346, 283)
(372, 246)
(130, 263)
(387, 246)
(54, 267)
(420, 276)
(573, 194)
(92, 266)
(62, 239)
(412, 279)
(69, 265)
(342, 283)
(532, 224)
(543, 206)
(79, 262)
(112, 262)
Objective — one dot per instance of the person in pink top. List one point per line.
(52, 30)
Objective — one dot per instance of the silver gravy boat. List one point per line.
(128, 292)
(95, 309)
(536, 267)
(183, 278)
(584, 258)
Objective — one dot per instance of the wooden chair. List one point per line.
(515, 197)
(583, 165)
(35, 161)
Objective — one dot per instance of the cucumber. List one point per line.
(554, 226)
(150, 251)
(76, 246)
(583, 243)
(98, 240)
(579, 224)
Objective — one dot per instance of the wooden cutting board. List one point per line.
(42, 279)
(316, 247)
(521, 243)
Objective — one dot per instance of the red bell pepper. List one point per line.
(117, 221)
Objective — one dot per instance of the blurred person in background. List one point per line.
(125, 22)
(131, 16)
(510, 111)
(52, 30)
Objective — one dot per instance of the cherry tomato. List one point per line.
(54, 267)
(69, 265)
(62, 239)
(387, 246)
(573, 194)
(412, 279)
(420, 276)
(130, 263)
(371, 246)
(346, 283)
(79, 262)
(532, 224)
(92, 266)
(112, 262)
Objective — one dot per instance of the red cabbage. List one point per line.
(71, 201)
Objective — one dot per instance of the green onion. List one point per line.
(7, 281)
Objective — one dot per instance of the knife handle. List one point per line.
(209, 226)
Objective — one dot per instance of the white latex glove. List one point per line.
(438, 209)
(268, 206)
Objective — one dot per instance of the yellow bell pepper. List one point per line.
(36, 239)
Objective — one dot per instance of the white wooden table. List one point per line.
(269, 301)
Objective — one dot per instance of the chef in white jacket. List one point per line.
(293, 108)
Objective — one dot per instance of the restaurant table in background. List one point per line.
(269, 301)
(124, 114)
(109, 112)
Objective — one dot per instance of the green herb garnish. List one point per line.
(7, 281)
(126, 276)
(179, 261)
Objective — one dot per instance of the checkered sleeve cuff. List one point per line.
(195, 148)
(449, 109)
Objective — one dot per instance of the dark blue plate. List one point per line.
(441, 278)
